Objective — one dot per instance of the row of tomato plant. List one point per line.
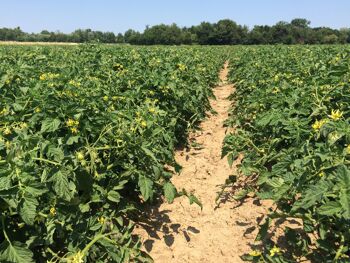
(291, 113)
(86, 134)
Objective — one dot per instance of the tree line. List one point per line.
(224, 32)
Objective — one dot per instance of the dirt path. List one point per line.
(182, 233)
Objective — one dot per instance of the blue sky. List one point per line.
(118, 16)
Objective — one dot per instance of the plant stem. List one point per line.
(96, 238)
(340, 249)
(45, 160)
(3, 229)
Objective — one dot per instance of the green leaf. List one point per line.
(24, 90)
(15, 252)
(50, 125)
(149, 153)
(230, 159)
(120, 185)
(3, 80)
(343, 175)
(55, 153)
(275, 182)
(119, 220)
(36, 189)
(61, 185)
(73, 139)
(312, 195)
(308, 225)
(345, 202)
(17, 107)
(156, 171)
(5, 182)
(113, 196)
(241, 194)
(84, 208)
(194, 200)
(146, 187)
(27, 209)
(50, 231)
(333, 137)
(169, 192)
(329, 209)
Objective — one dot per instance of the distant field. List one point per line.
(35, 43)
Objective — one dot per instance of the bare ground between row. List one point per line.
(180, 232)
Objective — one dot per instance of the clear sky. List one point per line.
(120, 15)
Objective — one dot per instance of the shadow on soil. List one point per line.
(154, 221)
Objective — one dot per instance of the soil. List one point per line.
(180, 232)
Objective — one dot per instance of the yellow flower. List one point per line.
(181, 67)
(151, 110)
(276, 90)
(336, 115)
(72, 123)
(47, 76)
(74, 83)
(275, 250)
(37, 110)
(77, 258)
(144, 124)
(101, 220)
(80, 156)
(318, 124)
(52, 211)
(74, 130)
(321, 174)
(255, 253)
(105, 98)
(7, 144)
(118, 67)
(4, 111)
(7, 131)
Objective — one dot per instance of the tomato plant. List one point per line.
(292, 124)
(86, 134)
